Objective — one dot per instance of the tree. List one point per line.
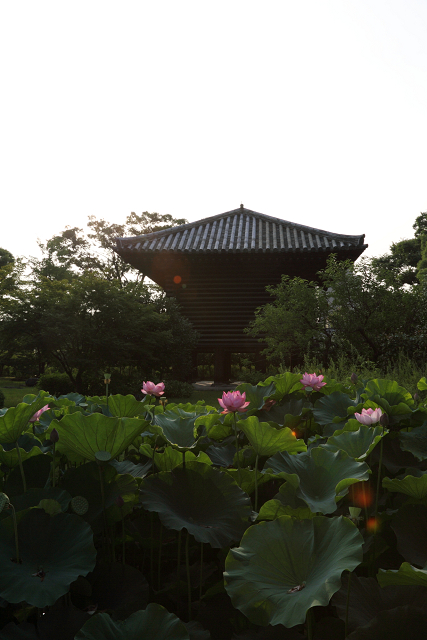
(351, 308)
(88, 324)
(403, 264)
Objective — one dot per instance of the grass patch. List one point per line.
(13, 391)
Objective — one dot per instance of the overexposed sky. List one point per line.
(307, 110)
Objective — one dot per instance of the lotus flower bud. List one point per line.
(353, 378)
(54, 436)
(384, 420)
(416, 397)
(119, 501)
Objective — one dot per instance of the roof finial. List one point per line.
(241, 206)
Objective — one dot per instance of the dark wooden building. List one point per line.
(217, 268)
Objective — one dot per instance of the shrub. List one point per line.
(178, 389)
(57, 384)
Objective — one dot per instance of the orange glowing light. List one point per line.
(362, 495)
(294, 433)
(177, 279)
(373, 524)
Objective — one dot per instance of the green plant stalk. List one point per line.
(364, 502)
(123, 538)
(256, 482)
(151, 549)
(376, 500)
(21, 468)
(237, 448)
(347, 605)
(106, 392)
(101, 484)
(15, 530)
(53, 466)
(159, 564)
(183, 459)
(187, 566)
(201, 570)
(309, 621)
(178, 566)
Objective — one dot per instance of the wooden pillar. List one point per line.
(222, 366)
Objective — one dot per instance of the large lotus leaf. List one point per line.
(23, 631)
(406, 622)
(285, 383)
(172, 458)
(119, 588)
(415, 441)
(16, 419)
(246, 478)
(257, 395)
(216, 426)
(60, 547)
(266, 440)
(410, 526)
(37, 470)
(178, 430)
(409, 485)
(84, 481)
(10, 458)
(368, 599)
(86, 435)
(394, 459)
(222, 456)
(335, 407)
(153, 623)
(322, 477)
(357, 444)
(129, 468)
(388, 390)
(284, 567)
(205, 501)
(125, 406)
(406, 574)
(33, 497)
(273, 509)
(61, 622)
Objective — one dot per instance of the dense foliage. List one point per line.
(299, 511)
(81, 310)
(352, 310)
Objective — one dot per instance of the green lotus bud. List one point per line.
(54, 436)
(79, 505)
(4, 501)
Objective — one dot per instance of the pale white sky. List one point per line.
(312, 111)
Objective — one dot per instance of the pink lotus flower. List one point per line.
(233, 401)
(152, 389)
(313, 381)
(369, 416)
(38, 413)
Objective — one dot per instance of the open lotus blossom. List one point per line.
(152, 389)
(38, 413)
(233, 401)
(369, 416)
(313, 381)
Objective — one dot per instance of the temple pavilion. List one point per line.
(218, 268)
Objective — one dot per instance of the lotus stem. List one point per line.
(347, 605)
(178, 566)
(151, 549)
(364, 502)
(237, 448)
(187, 566)
(201, 570)
(256, 482)
(376, 500)
(309, 621)
(159, 564)
(123, 539)
(21, 468)
(183, 459)
(53, 466)
(15, 529)
(101, 484)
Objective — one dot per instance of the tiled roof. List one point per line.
(240, 231)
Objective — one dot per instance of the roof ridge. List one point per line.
(239, 211)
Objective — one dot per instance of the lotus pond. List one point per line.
(292, 519)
